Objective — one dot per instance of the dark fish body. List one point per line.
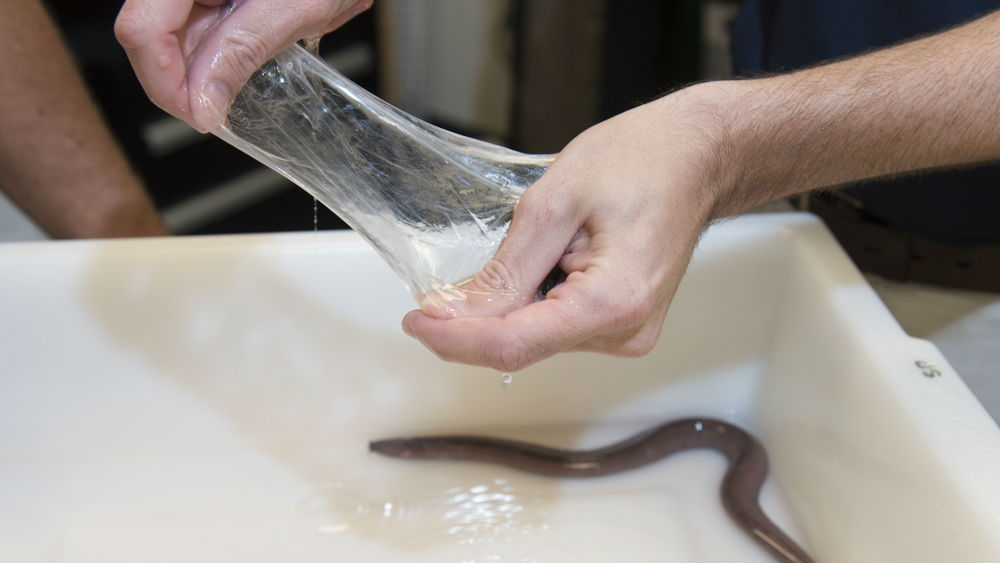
(740, 488)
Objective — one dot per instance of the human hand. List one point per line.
(193, 56)
(619, 211)
(622, 206)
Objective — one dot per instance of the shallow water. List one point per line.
(467, 512)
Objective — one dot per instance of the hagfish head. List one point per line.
(393, 447)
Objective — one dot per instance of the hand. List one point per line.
(619, 211)
(193, 56)
(622, 206)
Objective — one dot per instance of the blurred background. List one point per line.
(525, 74)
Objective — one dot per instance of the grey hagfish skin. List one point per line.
(740, 486)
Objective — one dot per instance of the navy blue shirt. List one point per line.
(961, 207)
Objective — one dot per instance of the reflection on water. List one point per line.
(485, 512)
(466, 516)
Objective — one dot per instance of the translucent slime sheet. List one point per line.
(435, 205)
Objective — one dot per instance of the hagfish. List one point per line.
(740, 488)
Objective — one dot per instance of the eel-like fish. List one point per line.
(740, 487)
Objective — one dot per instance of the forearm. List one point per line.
(929, 103)
(621, 207)
(57, 160)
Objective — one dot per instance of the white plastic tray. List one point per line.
(211, 399)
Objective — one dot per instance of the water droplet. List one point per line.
(505, 379)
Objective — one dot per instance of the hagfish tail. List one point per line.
(740, 486)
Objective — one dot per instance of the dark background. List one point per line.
(640, 50)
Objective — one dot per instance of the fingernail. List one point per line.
(215, 99)
(406, 327)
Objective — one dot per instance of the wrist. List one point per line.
(716, 144)
(756, 150)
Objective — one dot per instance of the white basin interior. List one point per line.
(211, 399)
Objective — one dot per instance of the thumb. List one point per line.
(539, 233)
(243, 38)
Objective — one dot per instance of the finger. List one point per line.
(573, 315)
(509, 343)
(542, 227)
(249, 37)
(146, 30)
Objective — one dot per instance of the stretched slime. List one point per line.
(434, 204)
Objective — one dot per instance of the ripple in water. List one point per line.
(464, 516)
(484, 513)
(335, 509)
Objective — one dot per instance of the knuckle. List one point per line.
(510, 354)
(494, 275)
(349, 7)
(310, 9)
(246, 51)
(308, 13)
(641, 344)
(508, 358)
(130, 26)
